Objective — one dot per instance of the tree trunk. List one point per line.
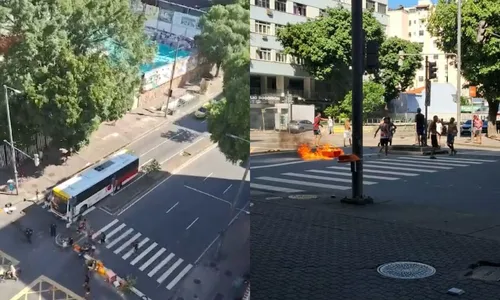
(218, 65)
(492, 118)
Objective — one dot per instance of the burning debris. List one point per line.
(324, 152)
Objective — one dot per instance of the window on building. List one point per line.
(414, 21)
(262, 27)
(264, 54)
(262, 3)
(278, 27)
(422, 21)
(420, 33)
(409, 34)
(409, 23)
(271, 83)
(322, 12)
(436, 57)
(299, 9)
(420, 78)
(421, 45)
(370, 5)
(280, 57)
(280, 5)
(382, 8)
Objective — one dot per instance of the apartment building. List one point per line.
(410, 23)
(274, 74)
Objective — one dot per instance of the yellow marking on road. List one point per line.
(47, 289)
(7, 260)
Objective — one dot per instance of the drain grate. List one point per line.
(406, 270)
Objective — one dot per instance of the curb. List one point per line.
(477, 146)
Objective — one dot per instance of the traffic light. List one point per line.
(481, 32)
(432, 70)
(372, 49)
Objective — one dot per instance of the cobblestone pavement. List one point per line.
(307, 249)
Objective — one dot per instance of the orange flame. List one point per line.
(324, 152)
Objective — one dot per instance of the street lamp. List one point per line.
(13, 149)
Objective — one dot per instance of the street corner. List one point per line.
(6, 260)
(46, 288)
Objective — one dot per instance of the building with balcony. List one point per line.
(410, 23)
(274, 74)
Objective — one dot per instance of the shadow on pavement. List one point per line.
(180, 136)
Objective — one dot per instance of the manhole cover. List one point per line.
(303, 197)
(406, 270)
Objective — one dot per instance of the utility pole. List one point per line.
(13, 148)
(172, 75)
(459, 65)
(427, 93)
(357, 97)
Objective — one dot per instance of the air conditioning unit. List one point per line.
(269, 12)
(264, 38)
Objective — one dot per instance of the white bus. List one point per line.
(74, 196)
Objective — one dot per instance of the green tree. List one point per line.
(373, 99)
(397, 73)
(76, 62)
(223, 28)
(480, 61)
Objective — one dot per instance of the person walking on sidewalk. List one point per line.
(53, 229)
(385, 135)
(450, 138)
(331, 124)
(420, 127)
(316, 128)
(432, 134)
(347, 132)
(478, 129)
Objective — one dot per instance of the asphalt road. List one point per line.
(174, 224)
(465, 182)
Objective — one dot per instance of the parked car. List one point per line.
(300, 126)
(465, 128)
(201, 113)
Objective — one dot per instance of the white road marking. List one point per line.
(147, 162)
(131, 251)
(104, 210)
(273, 188)
(350, 175)
(325, 178)
(468, 159)
(115, 231)
(173, 173)
(164, 142)
(376, 171)
(88, 211)
(282, 164)
(424, 161)
(108, 226)
(374, 165)
(305, 183)
(455, 160)
(141, 256)
(411, 165)
(152, 259)
(170, 270)
(179, 276)
(208, 176)
(127, 243)
(207, 194)
(225, 191)
(118, 239)
(173, 206)
(192, 223)
(160, 265)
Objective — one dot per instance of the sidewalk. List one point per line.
(222, 279)
(109, 138)
(321, 249)
(487, 143)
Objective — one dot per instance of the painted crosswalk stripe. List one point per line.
(469, 159)
(445, 160)
(161, 265)
(350, 175)
(273, 188)
(98, 232)
(427, 161)
(127, 243)
(412, 165)
(325, 178)
(254, 192)
(131, 251)
(377, 171)
(141, 256)
(118, 239)
(179, 276)
(170, 270)
(115, 231)
(152, 259)
(373, 165)
(304, 183)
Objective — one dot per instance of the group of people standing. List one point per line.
(331, 125)
(436, 129)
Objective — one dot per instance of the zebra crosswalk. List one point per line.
(337, 177)
(152, 259)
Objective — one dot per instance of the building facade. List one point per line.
(410, 23)
(274, 74)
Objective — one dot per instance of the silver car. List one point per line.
(300, 126)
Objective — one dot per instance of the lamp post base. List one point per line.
(363, 200)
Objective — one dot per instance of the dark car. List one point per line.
(465, 128)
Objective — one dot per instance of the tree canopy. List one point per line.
(325, 47)
(223, 27)
(76, 64)
(480, 61)
(231, 115)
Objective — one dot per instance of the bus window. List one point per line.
(59, 204)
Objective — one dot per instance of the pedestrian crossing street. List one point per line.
(155, 261)
(338, 176)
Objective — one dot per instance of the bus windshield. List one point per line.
(59, 205)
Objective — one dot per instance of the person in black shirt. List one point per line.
(420, 126)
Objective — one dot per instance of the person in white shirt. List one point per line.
(439, 130)
(331, 124)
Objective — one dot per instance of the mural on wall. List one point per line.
(161, 75)
(189, 21)
(166, 16)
